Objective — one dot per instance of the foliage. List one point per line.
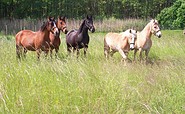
(80, 8)
(174, 16)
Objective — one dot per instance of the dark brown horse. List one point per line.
(35, 41)
(55, 39)
(77, 39)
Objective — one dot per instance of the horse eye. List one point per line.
(60, 22)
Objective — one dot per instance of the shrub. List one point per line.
(174, 16)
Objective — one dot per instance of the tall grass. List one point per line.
(15, 25)
(92, 84)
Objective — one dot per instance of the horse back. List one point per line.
(111, 38)
(116, 41)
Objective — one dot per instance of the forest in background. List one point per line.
(15, 15)
(119, 9)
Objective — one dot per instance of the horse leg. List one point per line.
(106, 51)
(38, 51)
(78, 52)
(69, 49)
(24, 53)
(146, 54)
(18, 52)
(56, 51)
(140, 54)
(112, 53)
(85, 50)
(135, 51)
(123, 55)
(51, 52)
(46, 51)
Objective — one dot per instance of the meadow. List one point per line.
(93, 85)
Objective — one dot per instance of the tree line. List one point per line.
(120, 9)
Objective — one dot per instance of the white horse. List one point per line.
(119, 42)
(143, 41)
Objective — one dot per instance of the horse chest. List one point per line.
(147, 44)
(82, 40)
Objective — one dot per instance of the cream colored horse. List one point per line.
(119, 42)
(143, 41)
(184, 32)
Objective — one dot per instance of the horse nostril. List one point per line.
(66, 31)
(92, 29)
(132, 48)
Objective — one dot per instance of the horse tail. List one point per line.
(18, 44)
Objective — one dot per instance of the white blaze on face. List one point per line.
(158, 34)
(133, 34)
(132, 42)
(55, 29)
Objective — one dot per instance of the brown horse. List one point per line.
(35, 41)
(55, 39)
(119, 42)
(143, 41)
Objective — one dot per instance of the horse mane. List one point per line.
(43, 26)
(81, 26)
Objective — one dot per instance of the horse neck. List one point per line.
(58, 27)
(83, 29)
(147, 31)
(44, 33)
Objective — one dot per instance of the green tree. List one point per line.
(174, 16)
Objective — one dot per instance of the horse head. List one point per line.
(132, 36)
(51, 26)
(61, 24)
(89, 23)
(155, 28)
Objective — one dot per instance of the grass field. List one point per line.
(92, 84)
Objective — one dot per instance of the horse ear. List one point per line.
(51, 18)
(59, 17)
(130, 31)
(87, 17)
(64, 17)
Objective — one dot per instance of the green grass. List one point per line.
(92, 84)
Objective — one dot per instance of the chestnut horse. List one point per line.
(35, 41)
(119, 42)
(143, 41)
(55, 39)
(77, 39)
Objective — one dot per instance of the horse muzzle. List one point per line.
(55, 31)
(92, 29)
(158, 34)
(132, 46)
